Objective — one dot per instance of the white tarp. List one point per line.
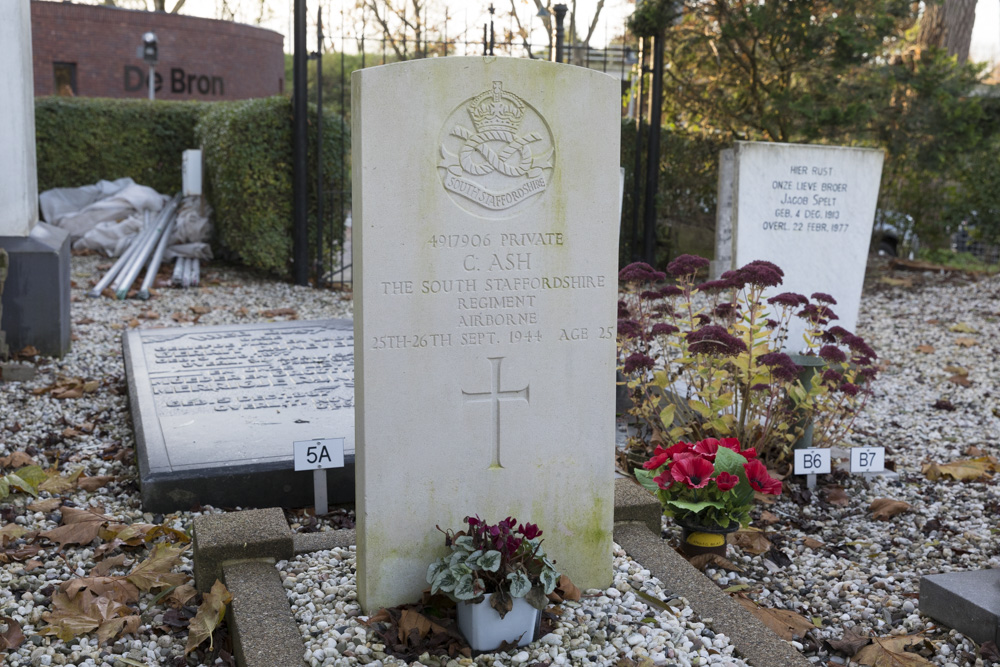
(107, 216)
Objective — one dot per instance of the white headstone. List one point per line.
(486, 222)
(724, 215)
(808, 209)
(18, 178)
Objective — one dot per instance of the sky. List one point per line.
(985, 34)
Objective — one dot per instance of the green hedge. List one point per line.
(80, 141)
(248, 158)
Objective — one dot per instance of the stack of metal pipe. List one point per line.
(148, 245)
(187, 272)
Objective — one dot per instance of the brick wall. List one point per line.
(199, 59)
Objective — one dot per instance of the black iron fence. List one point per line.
(356, 47)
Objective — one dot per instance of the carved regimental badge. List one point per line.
(503, 162)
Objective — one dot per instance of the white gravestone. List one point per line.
(808, 209)
(18, 181)
(485, 214)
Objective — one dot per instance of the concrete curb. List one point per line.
(264, 631)
(241, 548)
(754, 641)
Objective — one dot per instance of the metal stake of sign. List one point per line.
(319, 492)
(152, 82)
(810, 481)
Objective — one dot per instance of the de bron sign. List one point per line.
(181, 82)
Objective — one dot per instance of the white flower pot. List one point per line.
(485, 630)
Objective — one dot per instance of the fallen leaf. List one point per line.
(16, 460)
(965, 470)
(200, 310)
(962, 327)
(956, 370)
(45, 506)
(155, 571)
(890, 652)
(112, 588)
(179, 596)
(149, 315)
(84, 320)
(704, 560)
(94, 483)
(210, 614)
(71, 617)
(966, 341)
(78, 527)
(56, 483)
(786, 624)
(926, 349)
(960, 380)
(883, 509)
(13, 637)
(765, 498)
(180, 317)
(813, 544)
(751, 541)
(836, 495)
(279, 312)
(104, 568)
(943, 404)
(11, 532)
(133, 323)
(852, 642)
(768, 518)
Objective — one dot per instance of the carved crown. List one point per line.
(496, 110)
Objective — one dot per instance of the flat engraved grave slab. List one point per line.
(217, 408)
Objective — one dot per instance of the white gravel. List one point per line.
(865, 574)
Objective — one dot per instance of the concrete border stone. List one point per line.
(238, 536)
(241, 548)
(966, 601)
(754, 641)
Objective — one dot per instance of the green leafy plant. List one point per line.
(706, 361)
(248, 158)
(708, 483)
(505, 560)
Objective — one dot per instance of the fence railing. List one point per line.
(365, 47)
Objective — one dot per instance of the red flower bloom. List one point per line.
(760, 480)
(726, 481)
(693, 471)
(680, 448)
(664, 481)
(749, 454)
(660, 457)
(707, 448)
(730, 443)
(529, 530)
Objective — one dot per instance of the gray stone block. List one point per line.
(219, 539)
(634, 503)
(325, 540)
(260, 619)
(965, 601)
(216, 410)
(36, 292)
(17, 372)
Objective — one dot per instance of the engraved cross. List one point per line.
(494, 396)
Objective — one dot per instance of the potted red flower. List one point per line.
(499, 577)
(708, 488)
